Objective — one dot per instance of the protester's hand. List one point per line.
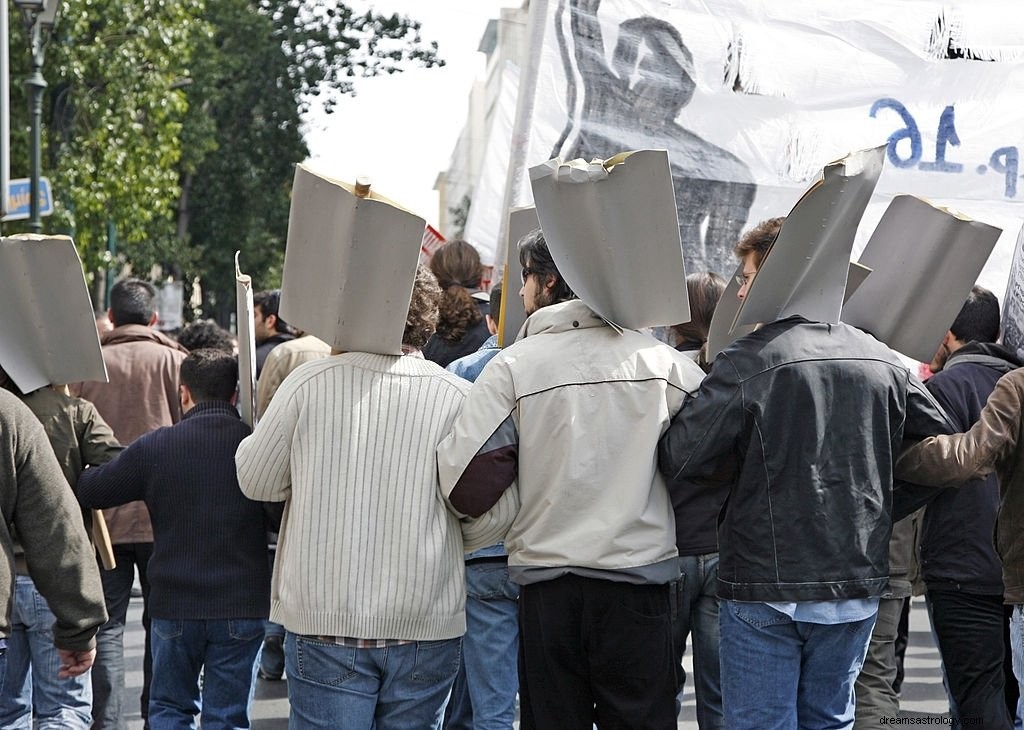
(74, 663)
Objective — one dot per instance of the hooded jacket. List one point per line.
(143, 367)
(994, 443)
(957, 550)
(814, 414)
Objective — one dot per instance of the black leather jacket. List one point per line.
(814, 415)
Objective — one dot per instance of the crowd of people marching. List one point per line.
(552, 521)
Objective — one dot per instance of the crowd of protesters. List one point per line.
(417, 541)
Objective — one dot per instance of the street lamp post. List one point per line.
(39, 17)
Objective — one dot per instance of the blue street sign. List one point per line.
(19, 196)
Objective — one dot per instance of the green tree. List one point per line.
(180, 122)
(265, 65)
(113, 121)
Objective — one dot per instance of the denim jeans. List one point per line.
(778, 673)
(108, 708)
(224, 650)
(32, 664)
(484, 694)
(697, 616)
(1017, 645)
(392, 688)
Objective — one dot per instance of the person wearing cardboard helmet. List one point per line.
(570, 415)
(369, 572)
(811, 413)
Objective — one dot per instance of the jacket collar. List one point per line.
(139, 333)
(211, 407)
(562, 317)
(988, 354)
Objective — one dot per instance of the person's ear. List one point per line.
(154, 319)
(271, 322)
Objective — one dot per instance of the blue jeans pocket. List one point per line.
(758, 614)
(324, 663)
(167, 628)
(437, 661)
(245, 629)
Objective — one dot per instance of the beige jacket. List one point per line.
(575, 410)
(281, 361)
(994, 443)
(143, 368)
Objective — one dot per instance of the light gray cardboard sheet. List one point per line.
(48, 331)
(924, 260)
(613, 232)
(349, 265)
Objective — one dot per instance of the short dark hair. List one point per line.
(205, 333)
(269, 303)
(978, 320)
(211, 375)
(132, 301)
(759, 239)
(495, 302)
(534, 254)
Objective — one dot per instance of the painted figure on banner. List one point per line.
(632, 102)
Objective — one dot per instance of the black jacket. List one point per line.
(957, 552)
(209, 546)
(814, 415)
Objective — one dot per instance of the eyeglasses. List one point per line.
(526, 273)
(745, 278)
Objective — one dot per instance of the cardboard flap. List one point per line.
(48, 334)
(612, 230)
(805, 270)
(521, 221)
(349, 265)
(925, 260)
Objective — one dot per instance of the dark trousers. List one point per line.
(595, 652)
(973, 637)
(108, 671)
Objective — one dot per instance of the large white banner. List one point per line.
(752, 99)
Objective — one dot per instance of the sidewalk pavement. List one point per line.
(923, 694)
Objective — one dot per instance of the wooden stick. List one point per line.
(101, 539)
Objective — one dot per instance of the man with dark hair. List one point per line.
(269, 328)
(593, 544)
(205, 333)
(140, 396)
(959, 563)
(978, 321)
(209, 578)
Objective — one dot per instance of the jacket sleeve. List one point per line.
(49, 525)
(479, 460)
(96, 441)
(705, 429)
(948, 460)
(263, 459)
(117, 482)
